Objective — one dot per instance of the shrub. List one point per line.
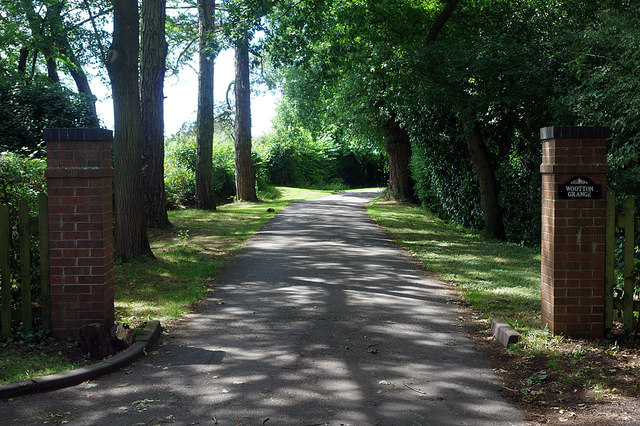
(180, 168)
(294, 157)
(21, 177)
(27, 107)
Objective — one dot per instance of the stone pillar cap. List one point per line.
(77, 134)
(574, 132)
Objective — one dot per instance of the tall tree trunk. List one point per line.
(53, 13)
(205, 118)
(122, 66)
(245, 179)
(493, 224)
(52, 70)
(82, 82)
(74, 66)
(154, 53)
(399, 153)
(22, 60)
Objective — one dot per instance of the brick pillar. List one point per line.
(79, 179)
(574, 178)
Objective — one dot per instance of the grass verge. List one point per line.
(167, 286)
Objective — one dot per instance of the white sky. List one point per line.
(181, 98)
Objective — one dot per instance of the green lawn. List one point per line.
(187, 258)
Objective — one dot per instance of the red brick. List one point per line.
(572, 238)
(81, 226)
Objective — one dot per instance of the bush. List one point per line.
(28, 107)
(445, 182)
(293, 157)
(21, 177)
(180, 168)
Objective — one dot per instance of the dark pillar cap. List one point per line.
(77, 134)
(574, 132)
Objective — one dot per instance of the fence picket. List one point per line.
(629, 240)
(609, 272)
(625, 305)
(25, 265)
(5, 281)
(43, 231)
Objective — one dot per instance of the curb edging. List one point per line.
(503, 332)
(149, 335)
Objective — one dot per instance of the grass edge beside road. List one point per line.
(187, 258)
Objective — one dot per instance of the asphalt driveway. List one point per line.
(320, 319)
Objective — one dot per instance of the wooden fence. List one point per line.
(624, 304)
(26, 228)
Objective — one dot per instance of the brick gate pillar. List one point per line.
(79, 179)
(574, 178)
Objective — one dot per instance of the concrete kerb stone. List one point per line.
(503, 332)
(74, 377)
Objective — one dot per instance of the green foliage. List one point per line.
(297, 159)
(180, 163)
(606, 61)
(21, 178)
(295, 155)
(28, 107)
(444, 181)
(506, 66)
(491, 67)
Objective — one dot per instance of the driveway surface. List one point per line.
(320, 319)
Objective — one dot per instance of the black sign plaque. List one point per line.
(579, 187)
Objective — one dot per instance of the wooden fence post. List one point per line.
(43, 233)
(609, 260)
(5, 274)
(25, 266)
(629, 243)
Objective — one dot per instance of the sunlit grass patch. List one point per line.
(20, 362)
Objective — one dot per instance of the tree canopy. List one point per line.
(451, 92)
(471, 83)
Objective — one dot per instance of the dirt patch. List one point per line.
(69, 348)
(582, 382)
